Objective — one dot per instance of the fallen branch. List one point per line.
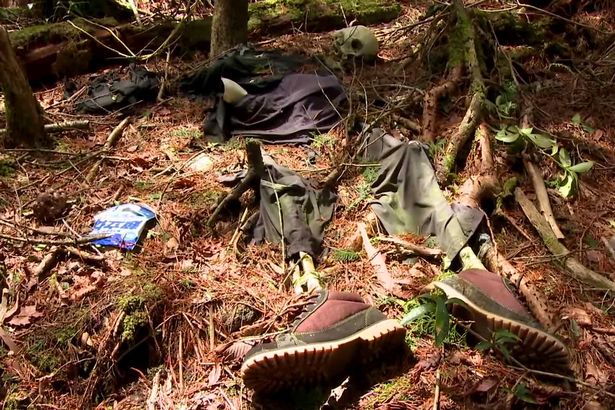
(58, 242)
(377, 260)
(113, 137)
(411, 125)
(412, 247)
(542, 196)
(576, 268)
(256, 170)
(61, 126)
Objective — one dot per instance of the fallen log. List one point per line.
(57, 50)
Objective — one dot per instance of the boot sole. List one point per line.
(536, 348)
(322, 363)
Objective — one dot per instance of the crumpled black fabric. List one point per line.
(254, 70)
(408, 198)
(299, 106)
(110, 92)
(305, 210)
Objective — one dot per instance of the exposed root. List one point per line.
(474, 112)
(256, 170)
(430, 103)
(576, 268)
(534, 299)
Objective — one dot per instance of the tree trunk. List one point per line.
(230, 25)
(24, 121)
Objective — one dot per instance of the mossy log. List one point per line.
(318, 15)
(59, 49)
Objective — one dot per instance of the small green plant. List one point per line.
(519, 137)
(323, 141)
(428, 314)
(501, 340)
(567, 182)
(187, 284)
(7, 167)
(436, 147)
(132, 323)
(506, 102)
(189, 133)
(521, 392)
(364, 189)
(577, 120)
(345, 255)
(507, 191)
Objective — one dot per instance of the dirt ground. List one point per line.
(119, 329)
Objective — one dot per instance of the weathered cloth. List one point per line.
(408, 198)
(112, 92)
(305, 210)
(299, 106)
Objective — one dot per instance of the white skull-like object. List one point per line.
(357, 41)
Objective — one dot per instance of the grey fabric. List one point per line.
(305, 210)
(408, 198)
(300, 105)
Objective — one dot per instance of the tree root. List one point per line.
(430, 103)
(576, 268)
(474, 112)
(473, 192)
(256, 170)
(535, 301)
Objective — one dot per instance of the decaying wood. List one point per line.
(24, 120)
(574, 267)
(411, 125)
(256, 171)
(542, 196)
(61, 126)
(111, 140)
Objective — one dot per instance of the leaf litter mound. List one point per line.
(167, 325)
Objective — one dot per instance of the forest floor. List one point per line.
(187, 294)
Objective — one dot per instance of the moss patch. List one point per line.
(319, 15)
(42, 34)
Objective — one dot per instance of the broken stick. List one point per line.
(113, 137)
(576, 268)
(542, 196)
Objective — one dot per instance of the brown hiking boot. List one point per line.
(492, 306)
(335, 331)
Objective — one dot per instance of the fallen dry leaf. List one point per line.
(214, 375)
(578, 315)
(25, 316)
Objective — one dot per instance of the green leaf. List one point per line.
(504, 336)
(564, 158)
(566, 187)
(442, 321)
(554, 149)
(483, 345)
(522, 393)
(417, 313)
(505, 136)
(526, 131)
(541, 141)
(582, 167)
(576, 119)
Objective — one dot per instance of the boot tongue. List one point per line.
(313, 301)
